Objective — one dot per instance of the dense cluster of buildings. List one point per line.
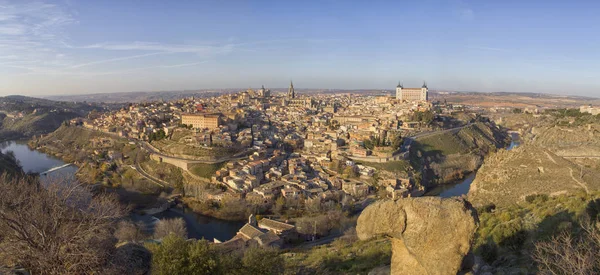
(304, 147)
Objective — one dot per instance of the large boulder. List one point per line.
(429, 235)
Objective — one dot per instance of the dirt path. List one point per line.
(582, 184)
(550, 157)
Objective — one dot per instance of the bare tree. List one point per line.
(128, 231)
(60, 228)
(171, 226)
(569, 254)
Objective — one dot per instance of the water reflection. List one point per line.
(462, 187)
(198, 226)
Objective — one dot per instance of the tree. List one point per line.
(570, 254)
(129, 232)
(397, 141)
(129, 175)
(279, 205)
(170, 257)
(350, 172)
(175, 255)
(168, 227)
(59, 228)
(262, 261)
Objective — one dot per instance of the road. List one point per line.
(140, 170)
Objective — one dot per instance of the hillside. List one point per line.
(508, 177)
(451, 155)
(24, 117)
(569, 141)
(9, 165)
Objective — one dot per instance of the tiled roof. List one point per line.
(249, 232)
(267, 238)
(272, 224)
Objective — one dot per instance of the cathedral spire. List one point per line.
(291, 92)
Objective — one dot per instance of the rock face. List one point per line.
(429, 235)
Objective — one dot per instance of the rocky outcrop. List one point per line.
(429, 235)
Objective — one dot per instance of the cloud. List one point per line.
(41, 71)
(114, 60)
(14, 29)
(30, 32)
(167, 48)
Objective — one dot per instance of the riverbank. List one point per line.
(199, 226)
(462, 186)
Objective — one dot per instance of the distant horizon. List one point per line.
(86, 47)
(282, 90)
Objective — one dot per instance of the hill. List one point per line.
(451, 155)
(24, 117)
(509, 177)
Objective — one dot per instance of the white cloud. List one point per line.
(114, 60)
(167, 48)
(30, 32)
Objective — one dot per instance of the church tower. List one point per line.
(291, 92)
(399, 91)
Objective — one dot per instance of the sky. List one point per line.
(88, 46)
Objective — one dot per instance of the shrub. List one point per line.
(175, 255)
(167, 227)
(488, 252)
(262, 261)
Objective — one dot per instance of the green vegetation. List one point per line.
(394, 143)
(176, 255)
(426, 117)
(175, 148)
(450, 155)
(346, 255)
(158, 135)
(165, 172)
(23, 117)
(206, 170)
(513, 232)
(391, 166)
(9, 165)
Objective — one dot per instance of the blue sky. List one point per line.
(77, 46)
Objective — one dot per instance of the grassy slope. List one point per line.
(340, 257)
(455, 153)
(506, 237)
(206, 170)
(34, 124)
(506, 177)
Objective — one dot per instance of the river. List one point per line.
(198, 226)
(461, 187)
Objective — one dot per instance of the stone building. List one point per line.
(264, 233)
(412, 94)
(202, 121)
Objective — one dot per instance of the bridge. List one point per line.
(56, 168)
